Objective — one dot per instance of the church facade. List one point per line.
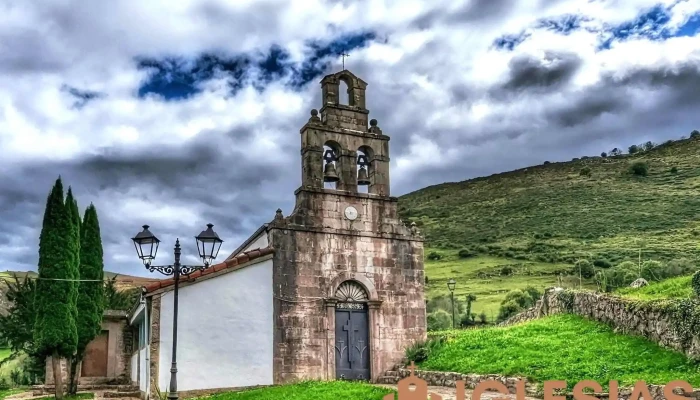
(334, 290)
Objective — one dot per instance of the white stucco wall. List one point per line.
(143, 382)
(225, 329)
(259, 242)
(134, 367)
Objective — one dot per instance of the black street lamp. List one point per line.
(451, 285)
(208, 245)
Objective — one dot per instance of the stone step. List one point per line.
(387, 380)
(120, 395)
(391, 373)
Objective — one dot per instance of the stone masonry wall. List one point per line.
(651, 321)
(315, 250)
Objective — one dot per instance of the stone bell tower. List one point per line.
(348, 274)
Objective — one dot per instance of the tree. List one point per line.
(16, 328)
(470, 299)
(649, 145)
(90, 289)
(55, 333)
(694, 133)
(74, 215)
(633, 149)
(603, 154)
(118, 300)
(639, 168)
(584, 269)
(615, 152)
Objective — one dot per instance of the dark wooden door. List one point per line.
(95, 360)
(352, 342)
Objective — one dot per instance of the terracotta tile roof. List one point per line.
(231, 263)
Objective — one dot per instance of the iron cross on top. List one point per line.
(343, 55)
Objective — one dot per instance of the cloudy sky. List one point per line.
(181, 113)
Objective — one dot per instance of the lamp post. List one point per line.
(451, 285)
(146, 244)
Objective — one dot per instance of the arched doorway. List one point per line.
(352, 347)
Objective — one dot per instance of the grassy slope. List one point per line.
(562, 347)
(674, 288)
(481, 277)
(309, 391)
(598, 216)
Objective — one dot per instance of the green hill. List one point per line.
(557, 212)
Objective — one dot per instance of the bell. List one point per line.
(329, 174)
(362, 178)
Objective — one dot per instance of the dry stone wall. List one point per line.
(672, 324)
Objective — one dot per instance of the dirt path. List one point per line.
(449, 393)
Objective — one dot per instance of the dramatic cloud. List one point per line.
(180, 114)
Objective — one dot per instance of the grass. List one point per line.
(310, 390)
(79, 396)
(9, 392)
(4, 353)
(562, 347)
(481, 276)
(550, 213)
(674, 288)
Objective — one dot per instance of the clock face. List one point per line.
(351, 213)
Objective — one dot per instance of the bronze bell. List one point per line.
(329, 174)
(362, 177)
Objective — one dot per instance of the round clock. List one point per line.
(351, 213)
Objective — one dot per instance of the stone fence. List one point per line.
(449, 379)
(671, 324)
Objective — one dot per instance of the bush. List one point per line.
(439, 320)
(434, 256)
(482, 318)
(420, 351)
(546, 162)
(464, 253)
(585, 171)
(601, 263)
(674, 170)
(508, 309)
(695, 282)
(633, 149)
(694, 133)
(427, 280)
(603, 154)
(506, 270)
(584, 268)
(639, 168)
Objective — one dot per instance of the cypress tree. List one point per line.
(75, 227)
(90, 289)
(55, 332)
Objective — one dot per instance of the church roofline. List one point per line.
(240, 261)
(248, 241)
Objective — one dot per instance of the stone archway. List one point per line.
(363, 298)
(352, 350)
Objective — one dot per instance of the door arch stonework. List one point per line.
(361, 288)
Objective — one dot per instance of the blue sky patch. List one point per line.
(177, 78)
(510, 42)
(563, 24)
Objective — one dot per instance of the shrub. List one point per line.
(482, 318)
(639, 168)
(427, 280)
(420, 351)
(694, 133)
(603, 154)
(439, 320)
(464, 253)
(506, 270)
(434, 256)
(633, 149)
(546, 162)
(695, 282)
(601, 263)
(508, 309)
(674, 170)
(584, 268)
(585, 171)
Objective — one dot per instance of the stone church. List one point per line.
(335, 290)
